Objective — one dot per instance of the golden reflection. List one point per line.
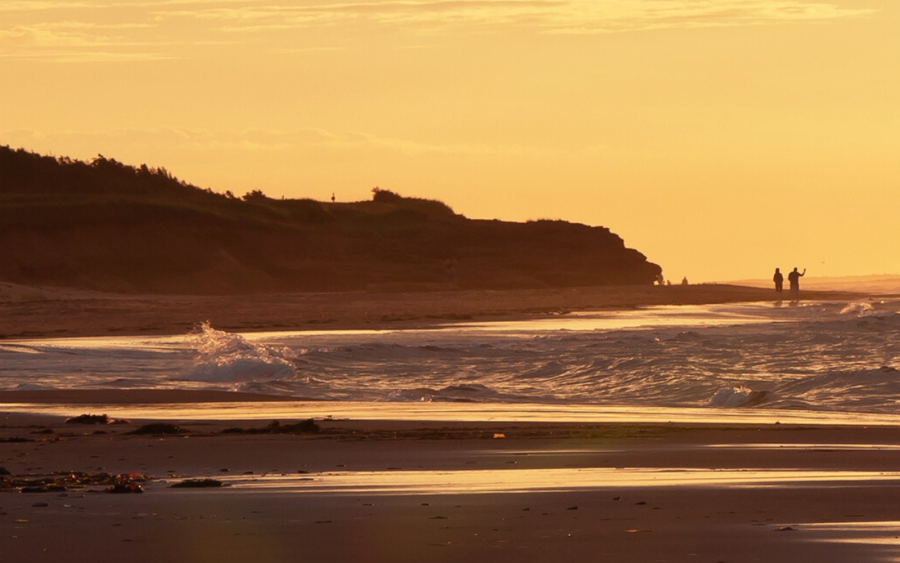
(795, 446)
(462, 412)
(868, 533)
(686, 316)
(481, 481)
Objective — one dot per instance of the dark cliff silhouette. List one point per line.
(108, 226)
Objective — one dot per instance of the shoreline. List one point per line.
(218, 406)
(63, 313)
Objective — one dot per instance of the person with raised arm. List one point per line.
(794, 278)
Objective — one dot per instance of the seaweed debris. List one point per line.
(158, 428)
(198, 484)
(95, 419)
(303, 427)
(60, 481)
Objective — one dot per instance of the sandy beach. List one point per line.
(41, 312)
(361, 490)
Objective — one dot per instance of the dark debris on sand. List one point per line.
(158, 428)
(304, 427)
(95, 419)
(15, 440)
(198, 484)
(60, 481)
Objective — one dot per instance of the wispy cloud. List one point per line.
(88, 56)
(259, 140)
(629, 15)
(151, 30)
(553, 16)
(40, 5)
(76, 41)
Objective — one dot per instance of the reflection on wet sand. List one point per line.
(809, 447)
(868, 533)
(473, 481)
(458, 412)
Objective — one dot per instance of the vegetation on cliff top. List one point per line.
(106, 225)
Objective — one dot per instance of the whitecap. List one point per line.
(740, 396)
(462, 393)
(224, 357)
(30, 387)
(858, 309)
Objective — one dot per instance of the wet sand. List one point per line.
(396, 491)
(29, 312)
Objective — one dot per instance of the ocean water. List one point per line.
(815, 356)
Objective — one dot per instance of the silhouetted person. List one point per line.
(684, 281)
(452, 264)
(332, 198)
(794, 278)
(779, 280)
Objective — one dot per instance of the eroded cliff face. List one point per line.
(104, 225)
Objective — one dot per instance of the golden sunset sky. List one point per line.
(722, 138)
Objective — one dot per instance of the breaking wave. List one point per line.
(858, 309)
(472, 393)
(740, 396)
(224, 357)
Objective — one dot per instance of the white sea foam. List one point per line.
(224, 357)
(467, 393)
(859, 309)
(740, 396)
(30, 387)
(21, 349)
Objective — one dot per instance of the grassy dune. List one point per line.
(107, 226)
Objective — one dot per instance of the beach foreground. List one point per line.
(385, 490)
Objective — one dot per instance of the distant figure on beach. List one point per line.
(684, 281)
(332, 198)
(794, 278)
(452, 264)
(778, 279)
(660, 280)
